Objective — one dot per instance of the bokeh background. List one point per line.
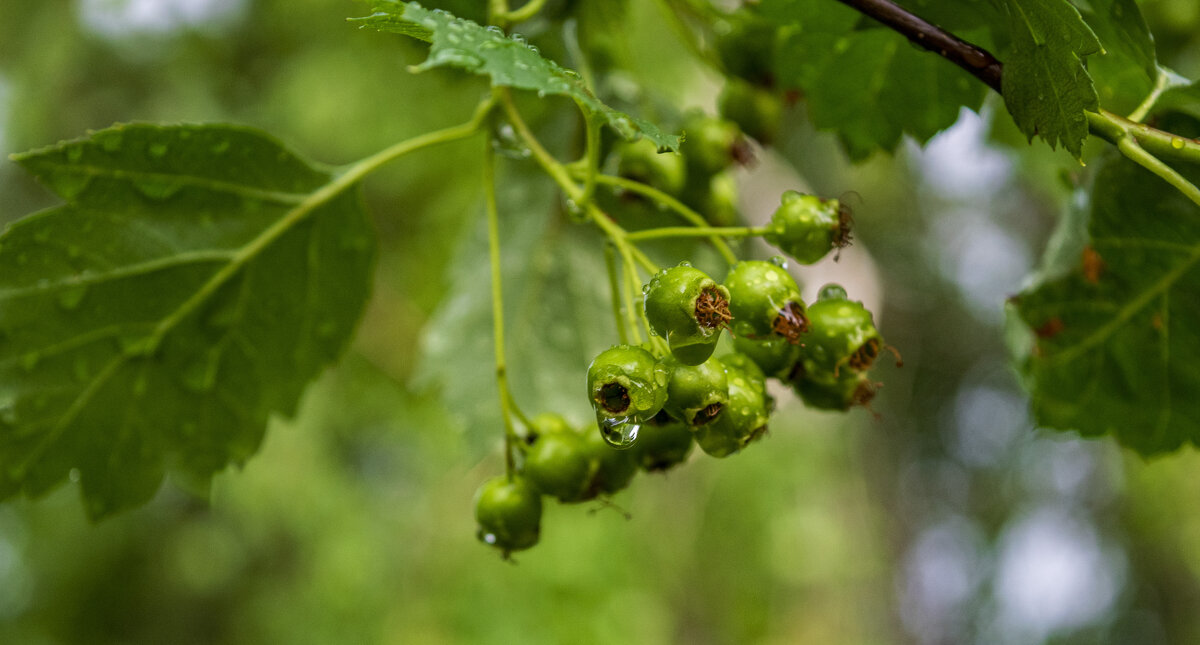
(947, 517)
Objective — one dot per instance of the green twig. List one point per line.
(493, 224)
(614, 287)
(1131, 149)
(686, 231)
(529, 10)
(1160, 85)
(672, 204)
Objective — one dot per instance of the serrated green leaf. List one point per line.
(1116, 348)
(879, 87)
(508, 60)
(1125, 72)
(1046, 85)
(197, 278)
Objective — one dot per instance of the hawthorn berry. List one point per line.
(757, 111)
(807, 227)
(842, 337)
(689, 309)
(508, 512)
(627, 382)
(744, 418)
(839, 394)
(696, 394)
(712, 144)
(641, 161)
(557, 462)
(765, 301)
(613, 467)
(774, 356)
(663, 443)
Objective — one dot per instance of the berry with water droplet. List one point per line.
(508, 512)
(744, 418)
(807, 227)
(626, 383)
(842, 339)
(689, 309)
(774, 356)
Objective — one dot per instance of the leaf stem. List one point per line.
(1130, 147)
(686, 231)
(1160, 85)
(527, 11)
(591, 156)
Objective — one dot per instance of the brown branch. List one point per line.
(977, 61)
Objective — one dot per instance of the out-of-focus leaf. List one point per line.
(507, 60)
(197, 278)
(1126, 70)
(1046, 85)
(1116, 349)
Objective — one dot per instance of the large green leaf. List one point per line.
(508, 60)
(1115, 347)
(1046, 84)
(197, 278)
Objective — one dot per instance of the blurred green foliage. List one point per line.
(353, 524)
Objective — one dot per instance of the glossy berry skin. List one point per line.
(696, 394)
(807, 227)
(765, 301)
(757, 111)
(719, 202)
(689, 309)
(838, 394)
(711, 145)
(774, 356)
(745, 417)
(641, 161)
(842, 339)
(626, 382)
(662, 444)
(558, 464)
(508, 513)
(613, 468)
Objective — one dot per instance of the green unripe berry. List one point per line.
(757, 111)
(807, 227)
(626, 382)
(842, 338)
(696, 394)
(689, 309)
(839, 394)
(719, 203)
(508, 513)
(641, 161)
(558, 464)
(744, 418)
(712, 144)
(662, 444)
(614, 468)
(774, 356)
(765, 301)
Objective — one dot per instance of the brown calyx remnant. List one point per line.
(712, 309)
(613, 398)
(706, 415)
(863, 394)
(742, 153)
(791, 322)
(842, 236)
(1093, 265)
(864, 356)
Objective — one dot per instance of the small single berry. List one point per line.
(808, 227)
(765, 301)
(689, 309)
(696, 394)
(508, 512)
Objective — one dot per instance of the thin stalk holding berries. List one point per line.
(493, 222)
(675, 232)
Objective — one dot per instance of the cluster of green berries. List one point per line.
(652, 403)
